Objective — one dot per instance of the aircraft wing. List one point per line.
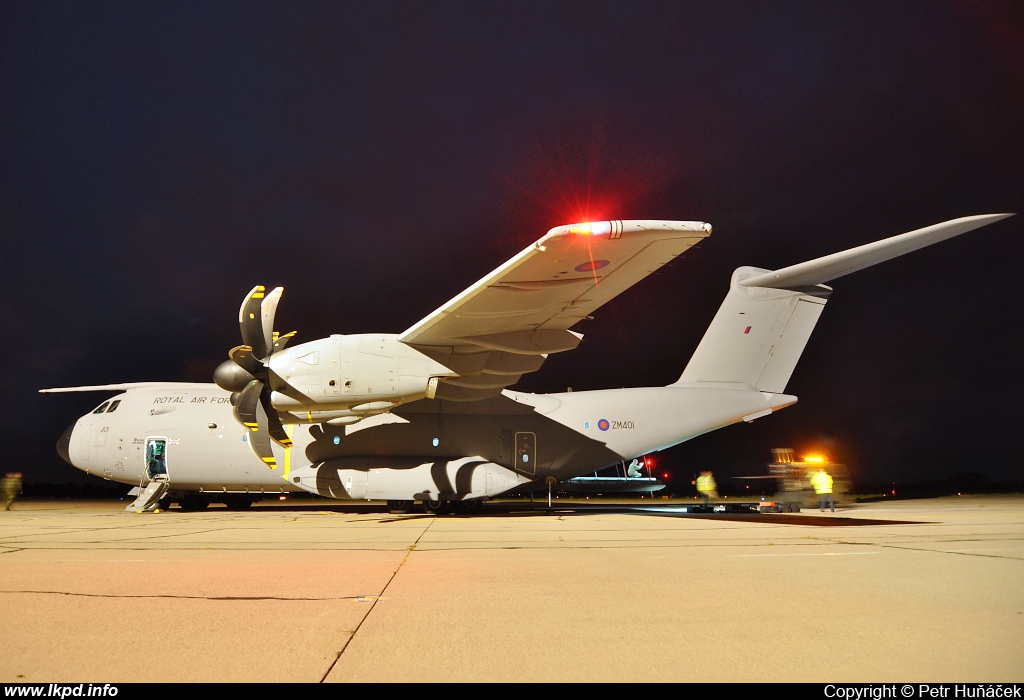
(126, 386)
(507, 323)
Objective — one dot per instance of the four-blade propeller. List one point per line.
(248, 376)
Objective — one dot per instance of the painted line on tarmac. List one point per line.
(809, 554)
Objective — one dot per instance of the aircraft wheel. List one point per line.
(193, 503)
(399, 506)
(237, 502)
(469, 506)
(437, 507)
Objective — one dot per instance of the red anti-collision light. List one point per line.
(591, 228)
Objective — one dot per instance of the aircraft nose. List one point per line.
(64, 445)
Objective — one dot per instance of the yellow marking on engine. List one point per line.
(288, 429)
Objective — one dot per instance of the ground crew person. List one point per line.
(822, 483)
(634, 469)
(11, 486)
(706, 487)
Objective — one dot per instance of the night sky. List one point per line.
(158, 159)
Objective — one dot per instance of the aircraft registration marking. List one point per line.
(605, 424)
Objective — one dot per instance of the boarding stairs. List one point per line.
(149, 498)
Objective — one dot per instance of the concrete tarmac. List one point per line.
(919, 591)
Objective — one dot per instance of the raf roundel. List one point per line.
(603, 424)
(591, 265)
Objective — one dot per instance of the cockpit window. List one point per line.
(102, 408)
(113, 406)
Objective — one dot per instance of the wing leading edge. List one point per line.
(507, 323)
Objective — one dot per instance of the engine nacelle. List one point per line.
(362, 374)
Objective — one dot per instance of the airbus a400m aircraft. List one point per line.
(427, 415)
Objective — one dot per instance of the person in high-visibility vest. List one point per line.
(11, 487)
(706, 487)
(822, 483)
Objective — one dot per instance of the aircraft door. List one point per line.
(526, 453)
(156, 459)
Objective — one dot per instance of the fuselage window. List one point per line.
(113, 406)
(102, 408)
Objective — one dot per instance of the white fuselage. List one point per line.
(396, 457)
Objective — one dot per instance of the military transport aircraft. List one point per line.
(426, 415)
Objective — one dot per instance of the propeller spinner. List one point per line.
(247, 375)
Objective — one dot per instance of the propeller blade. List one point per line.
(281, 340)
(268, 308)
(247, 403)
(274, 427)
(247, 371)
(249, 412)
(259, 441)
(243, 357)
(251, 322)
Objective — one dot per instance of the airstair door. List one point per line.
(156, 459)
(149, 498)
(156, 471)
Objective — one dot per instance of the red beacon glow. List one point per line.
(591, 228)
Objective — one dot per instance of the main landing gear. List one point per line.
(468, 507)
(193, 503)
(439, 507)
(237, 502)
(399, 506)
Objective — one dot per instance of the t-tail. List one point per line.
(762, 327)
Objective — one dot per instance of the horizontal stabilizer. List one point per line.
(830, 267)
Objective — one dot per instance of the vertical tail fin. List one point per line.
(756, 337)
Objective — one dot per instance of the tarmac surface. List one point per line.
(928, 590)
